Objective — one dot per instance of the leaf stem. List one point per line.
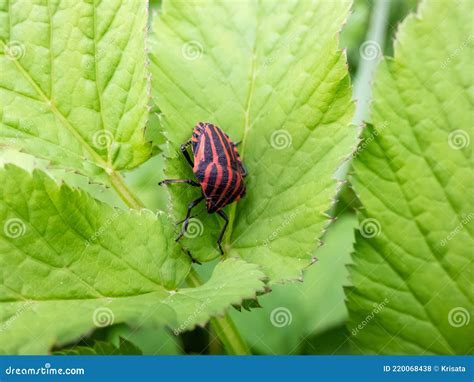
(362, 92)
(129, 198)
(367, 66)
(223, 326)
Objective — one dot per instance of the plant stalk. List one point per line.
(367, 66)
(129, 198)
(223, 326)
(362, 92)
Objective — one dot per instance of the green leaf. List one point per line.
(412, 270)
(102, 348)
(73, 88)
(353, 33)
(291, 314)
(232, 281)
(150, 340)
(334, 341)
(271, 76)
(70, 263)
(154, 131)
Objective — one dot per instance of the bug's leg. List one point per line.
(221, 235)
(184, 150)
(192, 258)
(191, 205)
(182, 221)
(186, 181)
(243, 170)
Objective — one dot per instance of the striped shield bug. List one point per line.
(219, 172)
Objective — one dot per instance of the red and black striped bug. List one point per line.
(219, 170)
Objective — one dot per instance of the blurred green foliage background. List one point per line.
(319, 312)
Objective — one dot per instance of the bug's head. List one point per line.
(200, 126)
